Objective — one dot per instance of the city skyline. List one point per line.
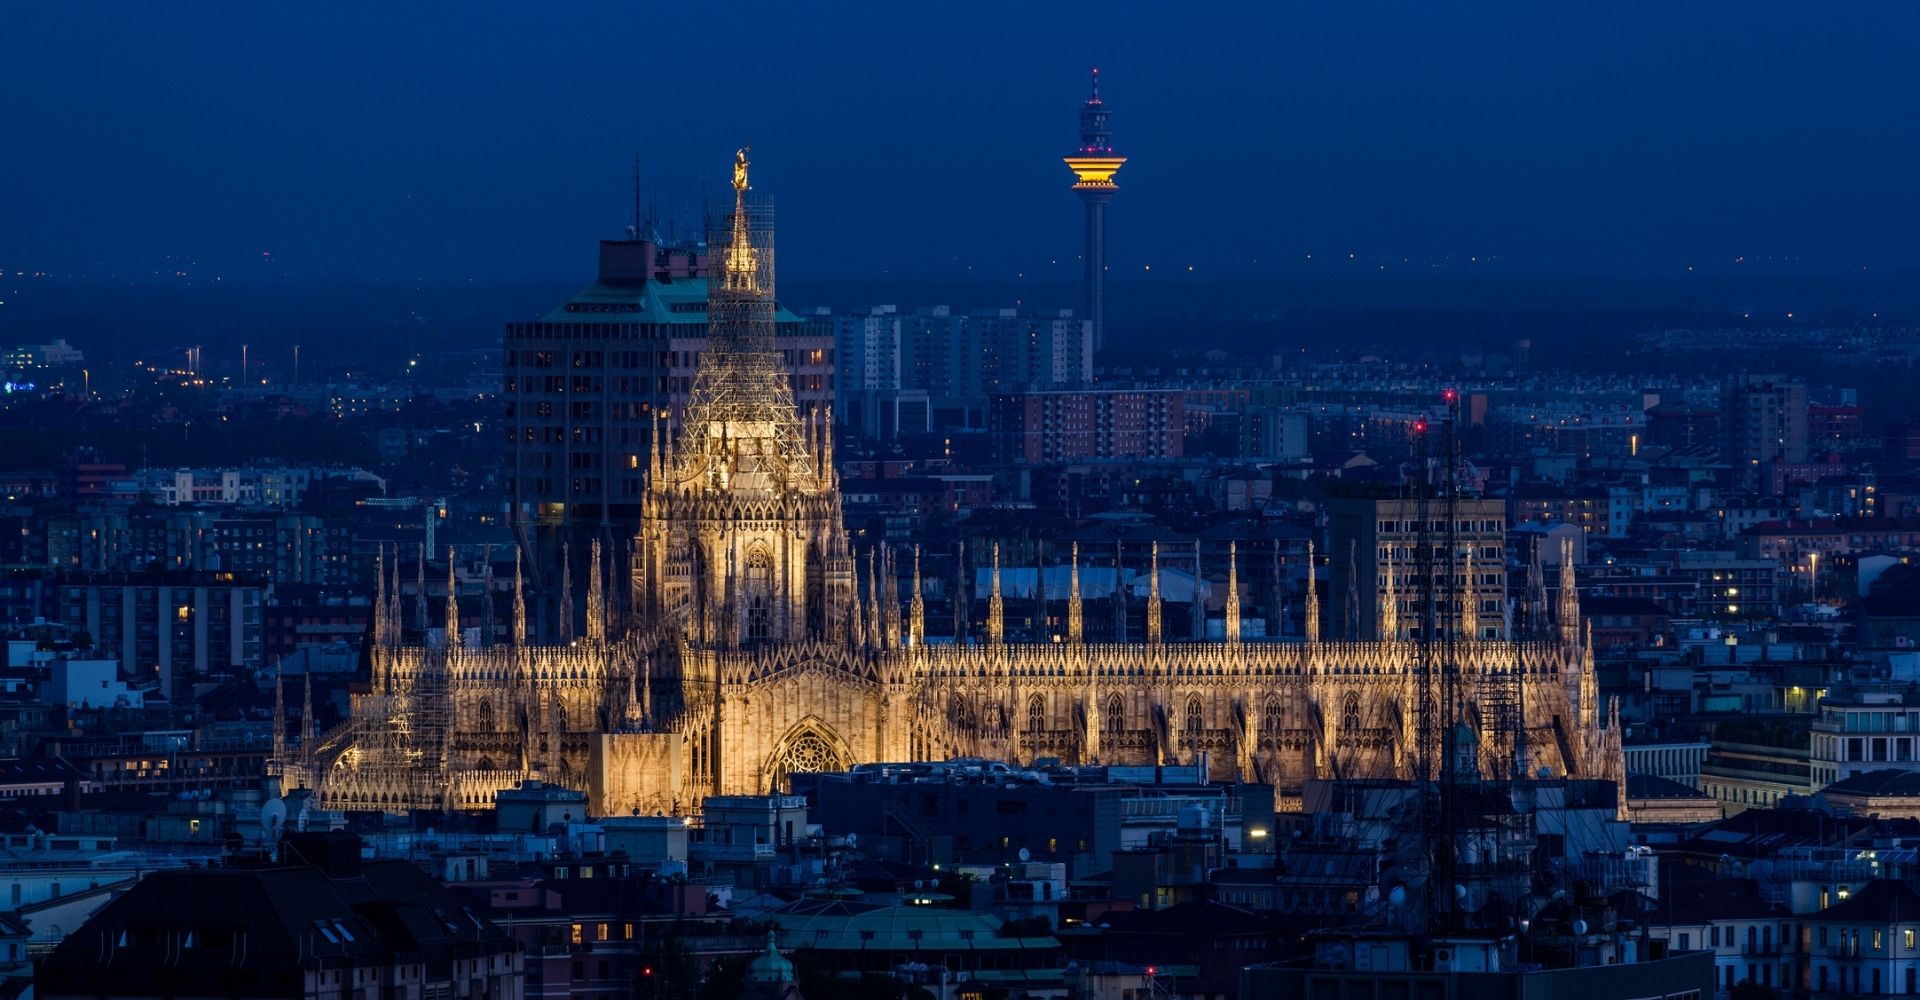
(1452, 526)
(440, 149)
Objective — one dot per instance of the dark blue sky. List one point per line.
(494, 141)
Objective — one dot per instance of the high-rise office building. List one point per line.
(1766, 425)
(1374, 553)
(1094, 163)
(583, 383)
(867, 349)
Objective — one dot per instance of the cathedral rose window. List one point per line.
(810, 754)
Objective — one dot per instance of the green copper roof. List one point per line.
(682, 302)
(901, 928)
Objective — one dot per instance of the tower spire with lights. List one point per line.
(1093, 164)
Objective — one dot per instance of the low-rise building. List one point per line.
(1865, 731)
(1867, 943)
(321, 923)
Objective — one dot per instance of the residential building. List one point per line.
(1862, 731)
(1037, 427)
(1765, 418)
(377, 928)
(1868, 942)
(167, 626)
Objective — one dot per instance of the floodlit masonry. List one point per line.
(750, 640)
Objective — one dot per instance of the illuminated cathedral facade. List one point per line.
(751, 640)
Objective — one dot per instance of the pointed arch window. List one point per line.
(1196, 715)
(1036, 714)
(759, 586)
(1115, 717)
(485, 716)
(1350, 717)
(1272, 717)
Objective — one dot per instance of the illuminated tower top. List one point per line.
(1093, 162)
(1094, 136)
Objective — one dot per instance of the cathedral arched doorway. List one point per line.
(810, 747)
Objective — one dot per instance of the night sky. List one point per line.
(492, 142)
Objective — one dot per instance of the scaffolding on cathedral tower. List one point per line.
(751, 443)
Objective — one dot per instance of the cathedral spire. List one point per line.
(596, 600)
(420, 592)
(393, 599)
(566, 594)
(306, 712)
(996, 609)
(380, 632)
(279, 713)
(1076, 623)
(1536, 595)
(1232, 622)
(1589, 683)
(876, 632)
(658, 447)
(894, 625)
(453, 604)
(1569, 597)
(1470, 602)
(856, 612)
(828, 471)
(1153, 596)
(916, 608)
(1312, 622)
(519, 602)
(1389, 604)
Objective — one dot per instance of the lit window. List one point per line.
(603, 933)
(576, 934)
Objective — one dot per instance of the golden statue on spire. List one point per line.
(742, 261)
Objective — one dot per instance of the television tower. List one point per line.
(1093, 164)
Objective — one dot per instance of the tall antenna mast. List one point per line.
(1426, 722)
(640, 225)
(1450, 668)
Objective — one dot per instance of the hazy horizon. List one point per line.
(453, 143)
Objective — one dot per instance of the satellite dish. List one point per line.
(273, 819)
(1579, 927)
(1398, 896)
(919, 883)
(852, 839)
(1024, 855)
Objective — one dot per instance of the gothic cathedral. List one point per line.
(753, 641)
